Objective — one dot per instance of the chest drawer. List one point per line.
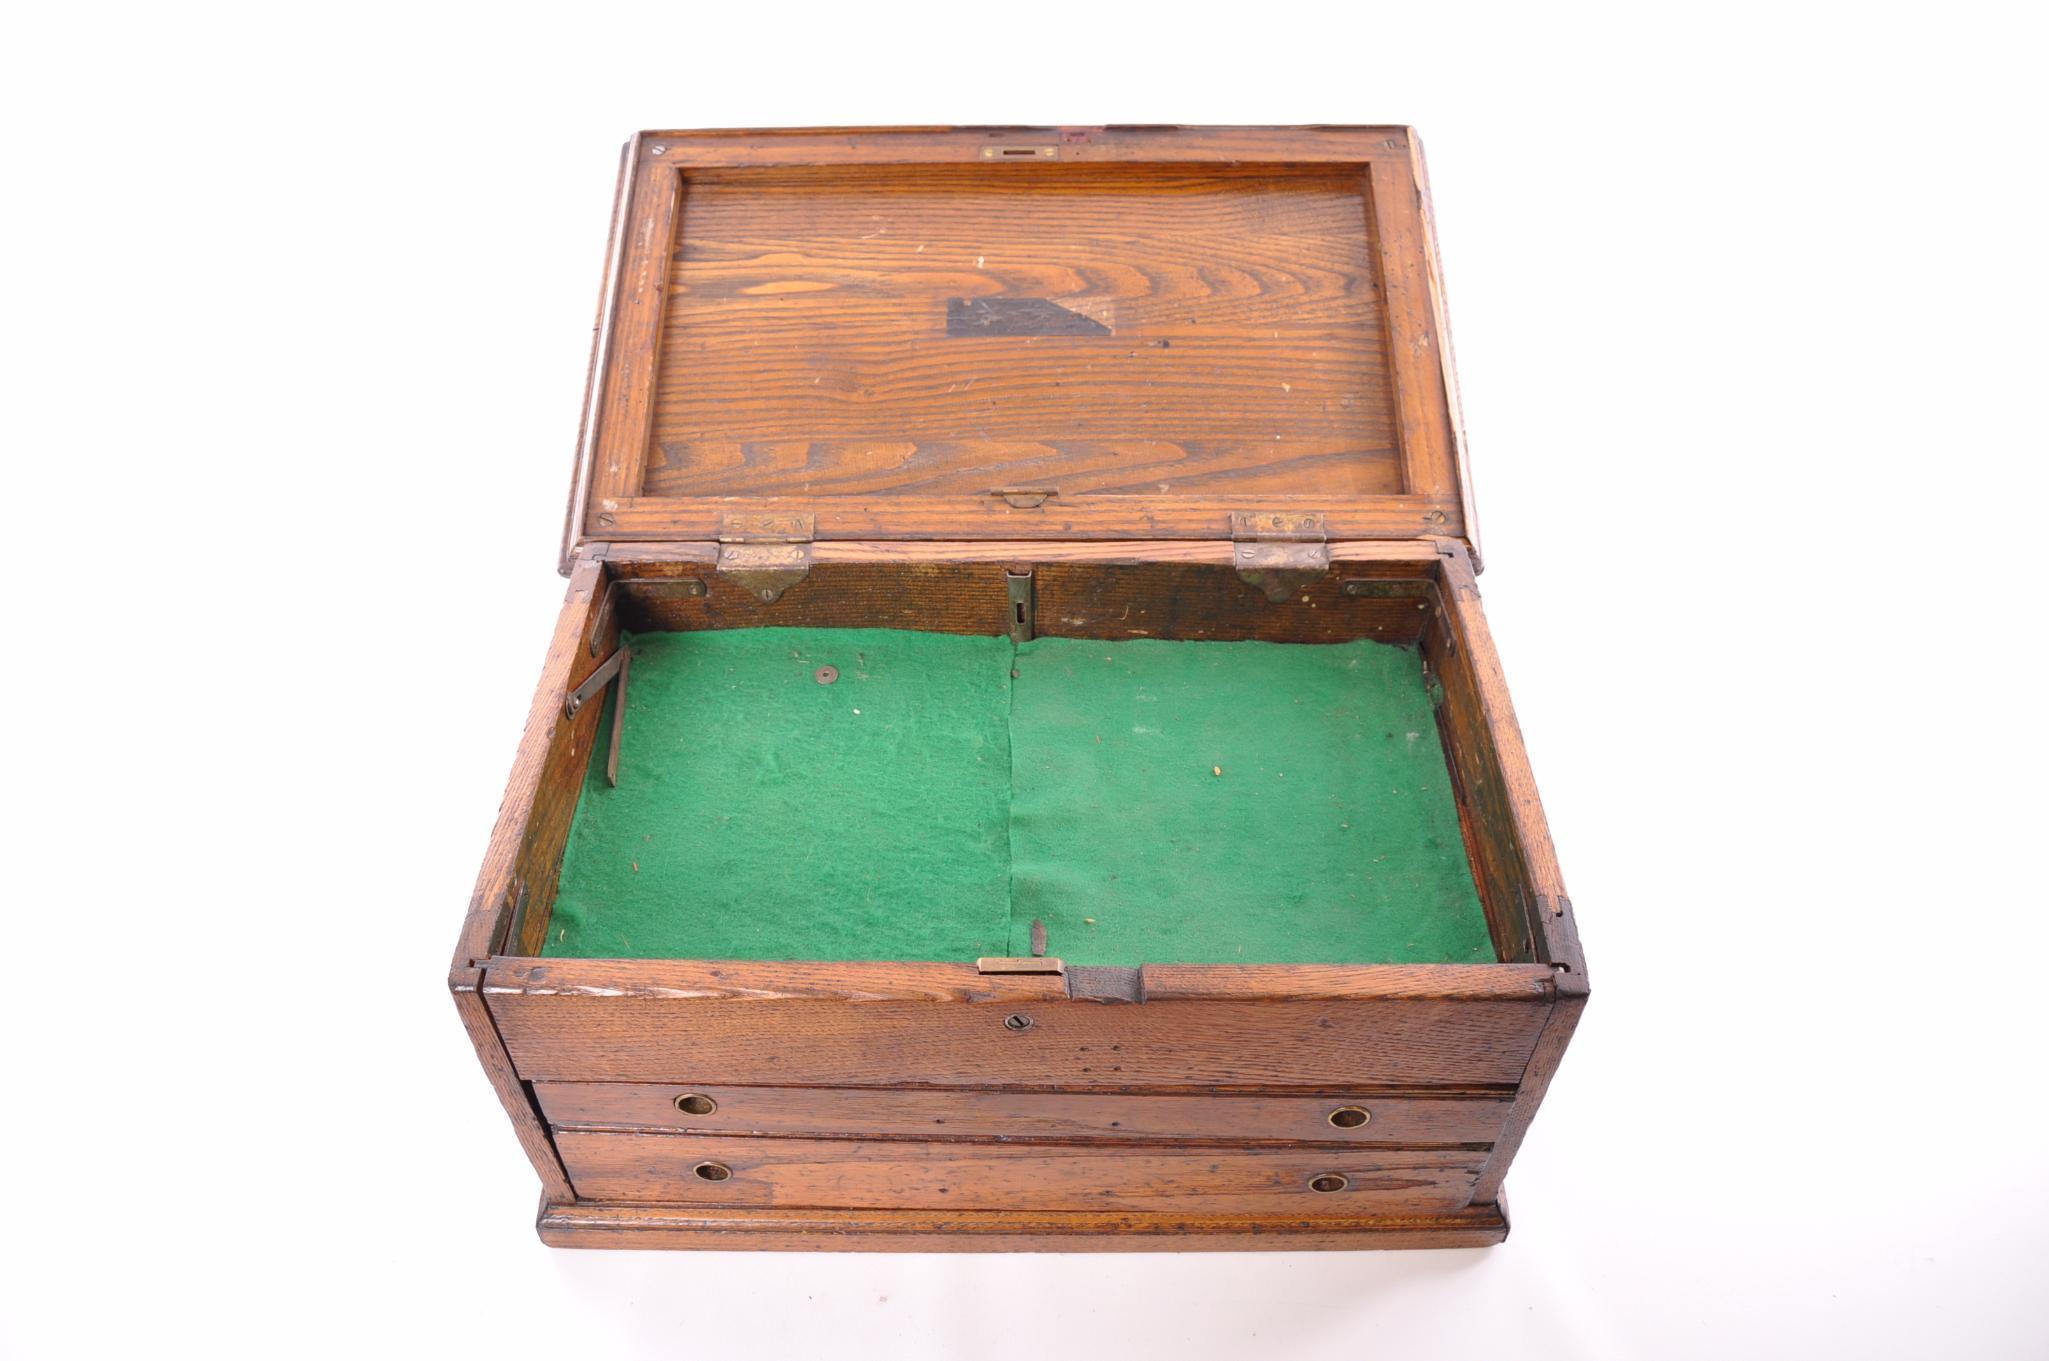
(913, 1174)
(1349, 1118)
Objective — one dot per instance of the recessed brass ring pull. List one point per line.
(1024, 498)
(1350, 1117)
(1329, 1181)
(697, 1103)
(712, 1171)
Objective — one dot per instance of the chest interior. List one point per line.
(1142, 763)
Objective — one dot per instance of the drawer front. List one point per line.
(711, 1109)
(910, 1174)
(1073, 1045)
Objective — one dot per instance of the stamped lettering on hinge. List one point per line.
(1017, 317)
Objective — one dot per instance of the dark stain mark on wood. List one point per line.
(1017, 317)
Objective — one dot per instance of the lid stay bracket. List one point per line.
(615, 667)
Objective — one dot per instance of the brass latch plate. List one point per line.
(1023, 605)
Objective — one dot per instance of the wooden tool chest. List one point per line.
(1021, 763)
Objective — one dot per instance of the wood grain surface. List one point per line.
(1100, 516)
(890, 1174)
(539, 751)
(1234, 343)
(1155, 326)
(1516, 813)
(1075, 1045)
(527, 819)
(1190, 601)
(883, 981)
(726, 147)
(595, 1224)
(1389, 1118)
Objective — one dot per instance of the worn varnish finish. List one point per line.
(1076, 600)
(837, 331)
(599, 1224)
(1342, 1118)
(1080, 1045)
(929, 1175)
(1153, 325)
(1096, 517)
(947, 357)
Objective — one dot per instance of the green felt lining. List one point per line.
(1150, 801)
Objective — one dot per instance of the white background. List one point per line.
(1749, 310)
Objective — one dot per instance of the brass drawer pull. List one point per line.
(1350, 1117)
(1329, 1181)
(697, 1103)
(1024, 498)
(712, 1171)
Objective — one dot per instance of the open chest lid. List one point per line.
(1021, 334)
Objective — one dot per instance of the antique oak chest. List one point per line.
(1021, 764)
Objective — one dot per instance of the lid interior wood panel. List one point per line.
(1032, 334)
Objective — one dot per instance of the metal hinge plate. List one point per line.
(1279, 551)
(766, 554)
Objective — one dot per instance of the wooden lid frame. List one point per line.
(734, 259)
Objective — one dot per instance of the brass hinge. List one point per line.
(766, 554)
(1279, 551)
(640, 590)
